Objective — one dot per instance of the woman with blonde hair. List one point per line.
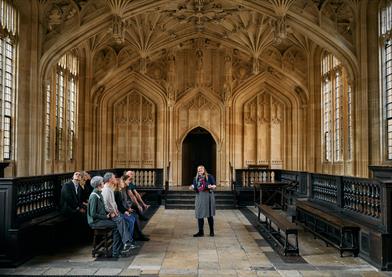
(125, 207)
(203, 185)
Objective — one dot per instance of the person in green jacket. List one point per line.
(97, 217)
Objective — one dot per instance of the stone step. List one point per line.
(192, 201)
(191, 207)
(186, 200)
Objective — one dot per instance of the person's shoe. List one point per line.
(126, 249)
(114, 256)
(125, 254)
(199, 234)
(133, 245)
(212, 234)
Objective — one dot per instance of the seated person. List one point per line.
(97, 216)
(126, 208)
(71, 204)
(85, 186)
(137, 201)
(124, 225)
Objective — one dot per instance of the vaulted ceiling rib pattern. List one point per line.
(147, 28)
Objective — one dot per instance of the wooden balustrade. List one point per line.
(247, 177)
(363, 199)
(325, 188)
(26, 200)
(362, 196)
(38, 195)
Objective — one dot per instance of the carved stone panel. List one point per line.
(263, 131)
(199, 111)
(134, 131)
(203, 68)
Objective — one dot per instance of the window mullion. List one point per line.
(3, 65)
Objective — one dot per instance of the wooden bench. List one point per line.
(102, 241)
(282, 224)
(58, 226)
(329, 225)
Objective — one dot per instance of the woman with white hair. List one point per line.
(97, 217)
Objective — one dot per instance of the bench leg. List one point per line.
(106, 245)
(341, 243)
(94, 245)
(355, 243)
(286, 244)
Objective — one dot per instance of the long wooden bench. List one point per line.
(282, 224)
(102, 242)
(329, 225)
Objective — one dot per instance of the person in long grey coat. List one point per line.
(203, 185)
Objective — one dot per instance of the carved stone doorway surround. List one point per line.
(199, 109)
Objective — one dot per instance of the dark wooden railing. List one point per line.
(363, 199)
(325, 188)
(24, 200)
(38, 195)
(362, 196)
(245, 178)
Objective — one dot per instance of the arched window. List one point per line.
(63, 103)
(336, 110)
(8, 43)
(386, 65)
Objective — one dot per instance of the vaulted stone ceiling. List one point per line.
(263, 35)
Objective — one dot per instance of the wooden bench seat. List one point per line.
(282, 224)
(329, 225)
(102, 241)
(55, 227)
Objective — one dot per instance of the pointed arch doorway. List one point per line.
(198, 148)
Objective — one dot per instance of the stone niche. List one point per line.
(263, 131)
(134, 137)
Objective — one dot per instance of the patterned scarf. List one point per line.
(201, 183)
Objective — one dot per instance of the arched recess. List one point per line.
(198, 148)
(268, 116)
(131, 119)
(199, 107)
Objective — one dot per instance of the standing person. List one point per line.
(203, 185)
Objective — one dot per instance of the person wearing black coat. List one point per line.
(71, 204)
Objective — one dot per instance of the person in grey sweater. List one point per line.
(97, 217)
(111, 206)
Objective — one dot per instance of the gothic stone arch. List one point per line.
(198, 108)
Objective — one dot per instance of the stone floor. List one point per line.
(236, 250)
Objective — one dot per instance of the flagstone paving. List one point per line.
(237, 250)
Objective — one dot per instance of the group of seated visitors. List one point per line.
(106, 202)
